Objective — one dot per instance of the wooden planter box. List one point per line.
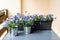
(36, 26)
(42, 25)
(45, 25)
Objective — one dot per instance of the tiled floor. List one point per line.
(38, 35)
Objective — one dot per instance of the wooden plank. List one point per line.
(3, 30)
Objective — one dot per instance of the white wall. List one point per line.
(13, 6)
(35, 6)
(55, 9)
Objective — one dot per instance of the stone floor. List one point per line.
(38, 35)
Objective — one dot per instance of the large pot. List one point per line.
(27, 30)
(45, 25)
(42, 25)
(36, 26)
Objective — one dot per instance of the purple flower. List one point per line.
(18, 14)
(25, 18)
(31, 17)
(12, 19)
(35, 15)
(16, 17)
(44, 19)
(7, 19)
(40, 15)
(50, 15)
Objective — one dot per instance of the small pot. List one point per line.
(14, 31)
(27, 30)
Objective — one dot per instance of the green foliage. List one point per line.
(11, 25)
(49, 18)
(27, 23)
(38, 18)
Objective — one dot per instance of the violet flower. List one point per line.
(18, 14)
(31, 17)
(40, 15)
(16, 17)
(44, 19)
(25, 18)
(50, 15)
(11, 19)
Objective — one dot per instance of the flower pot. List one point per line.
(36, 26)
(42, 25)
(45, 25)
(27, 30)
(14, 31)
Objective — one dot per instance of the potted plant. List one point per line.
(43, 22)
(27, 22)
(17, 21)
(13, 28)
(37, 21)
(46, 22)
